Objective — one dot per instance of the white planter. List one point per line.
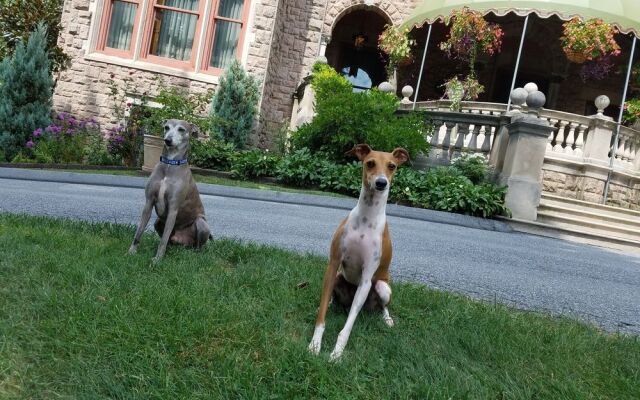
(153, 146)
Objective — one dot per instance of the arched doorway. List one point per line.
(353, 50)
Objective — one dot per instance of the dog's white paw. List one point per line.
(335, 355)
(132, 250)
(156, 260)
(314, 346)
(389, 322)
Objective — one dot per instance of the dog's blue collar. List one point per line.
(167, 161)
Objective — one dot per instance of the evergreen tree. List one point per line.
(25, 93)
(235, 105)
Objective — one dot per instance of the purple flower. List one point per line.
(60, 116)
(70, 132)
(37, 133)
(29, 144)
(49, 129)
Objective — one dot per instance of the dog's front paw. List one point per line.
(314, 346)
(389, 322)
(336, 354)
(156, 260)
(132, 250)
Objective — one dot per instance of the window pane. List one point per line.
(231, 9)
(173, 34)
(225, 44)
(121, 27)
(191, 5)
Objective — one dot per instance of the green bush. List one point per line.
(26, 91)
(174, 103)
(473, 166)
(254, 164)
(345, 118)
(212, 154)
(235, 105)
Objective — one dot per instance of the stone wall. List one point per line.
(83, 89)
(578, 186)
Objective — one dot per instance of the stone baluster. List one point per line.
(582, 129)
(463, 130)
(474, 137)
(560, 137)
(437, 129)
(571, 138)
(627, 151)
(446, 140)
(485, 146)
(620, 151)
(553, 122)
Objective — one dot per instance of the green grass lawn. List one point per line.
(214, 180)
(80, 319)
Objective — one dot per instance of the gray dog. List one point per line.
(173, 192)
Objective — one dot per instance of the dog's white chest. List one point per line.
(361, 246)
(161, 203)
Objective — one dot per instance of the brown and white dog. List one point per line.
(172, 191)
(358, 270)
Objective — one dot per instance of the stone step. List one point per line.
(575, 234)
(550, 199)
(592, 226)
(620, 220)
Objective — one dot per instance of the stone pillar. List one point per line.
(501, 140)
(601, 131)
(524, 158)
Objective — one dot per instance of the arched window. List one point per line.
(358, 77)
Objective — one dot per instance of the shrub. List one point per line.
(64, 141)
(174, 104)
(235, 105)
(345, 118)
(18, 18)
(473, 166)
(97, 152)
(254, 164)
(25, 91)
(212, 154)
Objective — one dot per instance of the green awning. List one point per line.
(624, 14)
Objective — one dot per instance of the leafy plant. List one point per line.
(472, 166)
(235, 105)
(212, 154)
(471, 35)
(457, 91)
(19, 18)
(64, 141)
(254, 164)
(174, 103)
(631, 112)
(588, 40)
(397, 45)
(25, 90)
(345, 118)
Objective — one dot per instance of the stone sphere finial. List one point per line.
(531, 87)
(407, 91)
(601, 103)
(385, 87)
(535, 101)
(519, 96)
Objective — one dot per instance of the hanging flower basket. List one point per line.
(575, 56)
(405, 61)
(397, 45)
(588, 40)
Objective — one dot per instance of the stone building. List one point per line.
(187, 43)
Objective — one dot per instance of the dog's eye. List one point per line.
(371, 164)
(181, 130)
(166, 127)
(392, 167)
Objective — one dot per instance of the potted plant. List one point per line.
(631, 114)
(471, 35)
(397, 45)
(588, 40)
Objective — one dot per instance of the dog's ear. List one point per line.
(163, 123)
(401, 155)
(194, 130)
(360, 151)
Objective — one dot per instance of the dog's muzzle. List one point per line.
(381, 184)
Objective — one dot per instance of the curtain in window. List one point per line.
(121, 26)
(227, 33)
(174, 31)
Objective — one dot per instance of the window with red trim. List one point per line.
(175, 33)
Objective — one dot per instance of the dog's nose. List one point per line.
(168, 141)
(381, 183)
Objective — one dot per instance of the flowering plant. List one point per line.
(396, 44)
(63, 141)
(631, 112)
(470, 35)
(588, 40)
(458, 90)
